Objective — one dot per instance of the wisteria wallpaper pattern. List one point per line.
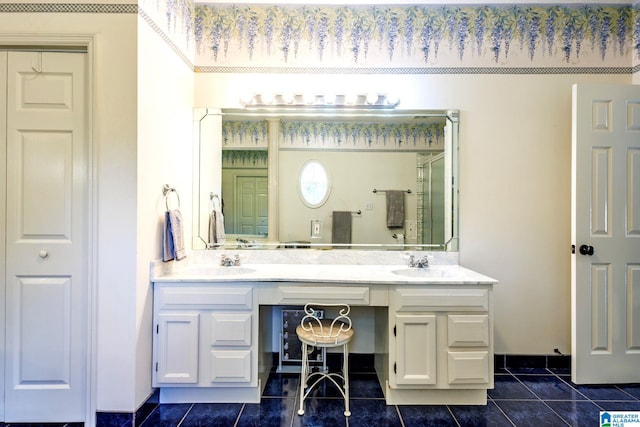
(418, 35)
(335, 135)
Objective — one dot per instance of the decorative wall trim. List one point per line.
(174, 47)
(584, 38)
(416, 70)
(67, 8)
(254, 159)
(334, 135)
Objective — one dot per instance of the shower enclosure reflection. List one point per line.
(253, 160)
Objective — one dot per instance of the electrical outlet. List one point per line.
(369, 206)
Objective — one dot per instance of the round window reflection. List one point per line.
(313, 184)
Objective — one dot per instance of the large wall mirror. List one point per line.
(392, 178)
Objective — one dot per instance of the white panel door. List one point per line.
(46, 234)
(605, 232)
(251, 205)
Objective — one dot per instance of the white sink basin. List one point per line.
(426, 272)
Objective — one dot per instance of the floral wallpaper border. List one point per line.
(309, 135)
(254, 159)
(559, 35)
(415, 39)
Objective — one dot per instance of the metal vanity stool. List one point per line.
(316, 331)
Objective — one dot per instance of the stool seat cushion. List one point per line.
(322, 334)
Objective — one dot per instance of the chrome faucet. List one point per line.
(420, 263)
(227, 261)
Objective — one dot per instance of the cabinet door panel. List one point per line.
(230, 366)
(416, 349)
(177, 348)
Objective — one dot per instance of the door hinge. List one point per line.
(158, 328)
(156, 366)
(395, 368)
(394, 330)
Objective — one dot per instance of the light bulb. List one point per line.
(351, 98)
(330, 98)
(246, 99)
(267, 98)
(372, 98)
(392, 99)
(309, 98)
(287, 97)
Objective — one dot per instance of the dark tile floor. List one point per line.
(521, 397)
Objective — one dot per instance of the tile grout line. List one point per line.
(399, 415)
(239, 415)
(489, 398)
(185, 415)
(539, 398)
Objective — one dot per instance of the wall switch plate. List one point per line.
(316, 228)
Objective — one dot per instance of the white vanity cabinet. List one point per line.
(440, 338)
(431, 333)
(204, 335)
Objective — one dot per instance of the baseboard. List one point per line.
(517, 361)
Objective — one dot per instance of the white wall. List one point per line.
(515, 143)
(164, 156)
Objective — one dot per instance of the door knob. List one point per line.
(43, 254)
(586, 250)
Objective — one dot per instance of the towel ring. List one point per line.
(212, 199)
(166, 190)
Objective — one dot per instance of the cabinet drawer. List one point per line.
(435, 299)
(204, 297)
(231, 329)
(230, 366)
(468, 367)
(327, 294)
(468, 330)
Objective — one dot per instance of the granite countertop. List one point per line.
(207, 269)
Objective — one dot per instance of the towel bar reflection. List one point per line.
(166, 192)
(212, 201)
(384, 191)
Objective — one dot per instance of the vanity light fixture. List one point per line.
(328, 101)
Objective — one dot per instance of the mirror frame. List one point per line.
(208, 121)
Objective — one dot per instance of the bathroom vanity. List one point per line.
(213, 325)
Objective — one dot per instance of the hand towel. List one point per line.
(168, 251)
(216, 227)
(395, 208)
(177, 233)
(341, 227)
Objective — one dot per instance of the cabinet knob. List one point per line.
(43, 254)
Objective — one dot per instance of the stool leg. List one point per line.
(345, 374)
(303, 377)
